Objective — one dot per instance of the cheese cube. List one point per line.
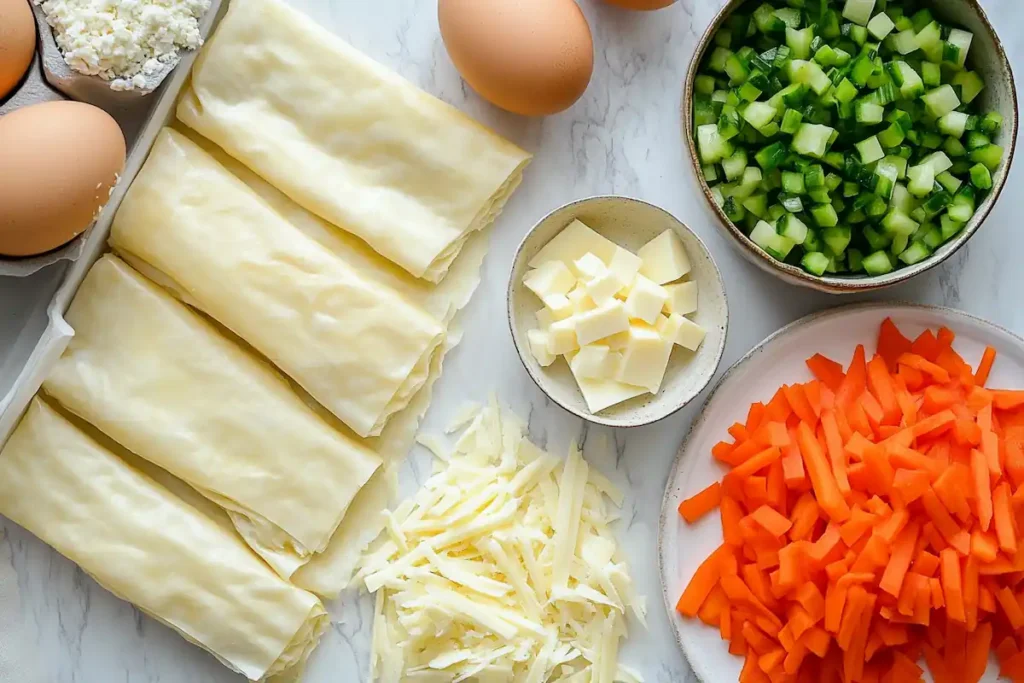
(645, 300)
(668, 326)
(558, 305)
(664, 258)
(553, 277)
(575, 241)
(580, 300)
(601, 322)
(590, 266)
(538, 341)
(595, 361)
(562, 337)
(603, 393)
(690, 335)
(625, 264)
(544, 318)
(617, 342)
(645, 358)
(604, 287)
(682, 298)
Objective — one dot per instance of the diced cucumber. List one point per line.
(855, 260)
(941, 100)
(799, 41)
(759, 114)
(792, 228)
(932, 206)
(749, 183)
(899, 245)
(811, 139)
(815, 262)
(793, 182)
(809, 74)
(961, 209)
(825, 215)
(981, 177)
(933, 237)
(949, 227)
(908, 80)
(904, 42)
(954, 123)
(719, 56)
(900, 163)
(954, 147)
(792, 203)
(931, 74)
(703, 84)
(858, 11)
(915, 253)
(989, 155)
(950, 182)
(837, 238)
(790, 16)
(766, 21)
(976, 139)
(757, 204)
(938, 161)
(929, 40)
(734, 166)
(877, 263)
(733, 209)
(791, 121)
(970, 85)
(961, 40)
(814, 176)
(880, 26)
(921, 180)
(992, 122)
(812, 242)
(712, 146)
(887, 173)
(771, 156)
(870, 150)
(898, 223)
(869, 113)
(710, 172)
(764, 236)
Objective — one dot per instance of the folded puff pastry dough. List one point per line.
(151, 548)
(347, 138)
(161, 381)
(359, 349)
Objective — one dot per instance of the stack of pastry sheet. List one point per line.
(283, 293)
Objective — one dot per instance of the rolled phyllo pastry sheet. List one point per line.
(360, 349)
(347, 138)
(164, 383)
(147, 546)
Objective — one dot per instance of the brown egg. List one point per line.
(17, 42)
(58, 163)
(531, 57)
(641, 4)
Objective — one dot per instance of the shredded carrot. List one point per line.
(871, 517)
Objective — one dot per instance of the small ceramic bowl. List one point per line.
(986, 56)
(630, 223)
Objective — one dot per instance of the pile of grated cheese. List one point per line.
(127, 42)
(502, 568)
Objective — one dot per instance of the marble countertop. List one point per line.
(622, 137)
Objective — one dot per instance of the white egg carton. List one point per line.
(36, 292)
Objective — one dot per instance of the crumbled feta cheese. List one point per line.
(124, 41)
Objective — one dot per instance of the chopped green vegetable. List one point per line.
(845, 135)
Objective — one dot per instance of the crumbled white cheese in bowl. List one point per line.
(126, 42)
(503, 567)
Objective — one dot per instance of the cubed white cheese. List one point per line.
(590, 266)
(581, 300)
(602, 393)
(668, 326)
(625, 264)
(617, 342)
(562, 337)
(604, 287)
(559, 306)
(553, 277)
(544, 318)
(645, 300)
(594, 361)
(538, 340)
(682, 298)
(601, 322)
(645, 358)
(691, 335)
(572, 243)
(664, 258)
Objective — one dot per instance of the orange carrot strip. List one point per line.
(934, 423)
(827, 370)
(899, 560)
(836, 452)
(1004, 518)
(1008, 400)
(798, 400)
(944, 524)
(910, 484)
(696, 506)
(731, 513)
(704, 580)
(982, 488)
(952, 585)
(983, 546)
(772, 522)
(855, 380)
(891, 343)
(1011, 608)
(985, 366)
(755, 463)
(822, 480)
(881, 385)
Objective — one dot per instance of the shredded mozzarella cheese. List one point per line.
(503, 567)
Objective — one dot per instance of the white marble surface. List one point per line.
(622, 137)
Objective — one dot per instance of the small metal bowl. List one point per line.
(630, 223)
(986, 56)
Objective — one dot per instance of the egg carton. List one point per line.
(38, 290)
(49, 78)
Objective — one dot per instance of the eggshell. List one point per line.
(644, 5)
(531, 57)
(17, 42)
(59, 161)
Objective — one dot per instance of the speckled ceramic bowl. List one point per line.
(986, 56)
(629, 223)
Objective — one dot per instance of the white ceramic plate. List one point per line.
(778, 360)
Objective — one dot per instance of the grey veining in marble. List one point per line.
(623, 137)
